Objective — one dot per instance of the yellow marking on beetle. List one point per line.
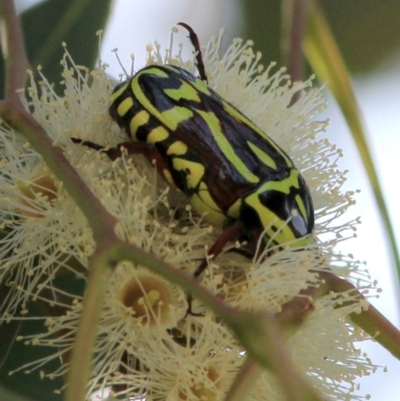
(283, 233)
(201, 86)
(124, 106)
(115, 95)
(185, 91)
(243, 119)
(284, 186)
(174, 116)
(198, 84)
(178, 148)
(138, 120)
(262, 156)
(202, 203)
(195, 171)
(217, 219)
(268, 218)
(301, 206)
(170, 118)
(157, 135)
(204, 194)
(168, 177)
(213, 122)
(234, 210)
(157, 71)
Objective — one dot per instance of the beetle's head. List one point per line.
(285, 218)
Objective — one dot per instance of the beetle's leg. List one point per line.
(151, 153)
(89, 144)
(232, 233)
(115, 152)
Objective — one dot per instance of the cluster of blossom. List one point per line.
(146, 346)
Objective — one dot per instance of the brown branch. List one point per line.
(101, 222)
(14, 114)
(294, 18)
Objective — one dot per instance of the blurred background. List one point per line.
(368, 34)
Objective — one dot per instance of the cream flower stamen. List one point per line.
(40, 190)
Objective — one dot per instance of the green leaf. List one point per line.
(11, 396)
(19, 353)
(324, 56)
(50, 23)
(8, 331)
(30, 385)
(368, 31)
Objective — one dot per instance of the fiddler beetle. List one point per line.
(231, 171)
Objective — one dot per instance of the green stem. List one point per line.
(294, 312)
(79, 372)
(244, 380)
(368, 318)
(261, 336)
(69, 18)
(326, 60)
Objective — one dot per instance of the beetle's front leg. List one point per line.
(151, 153)
(117, 151)
(232, 233)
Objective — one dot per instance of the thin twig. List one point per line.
(294, 312)
(368, 318)
(79, 372)
(244, 380)
(294, 18)
(13, 50)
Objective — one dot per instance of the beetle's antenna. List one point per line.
(196, 44)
